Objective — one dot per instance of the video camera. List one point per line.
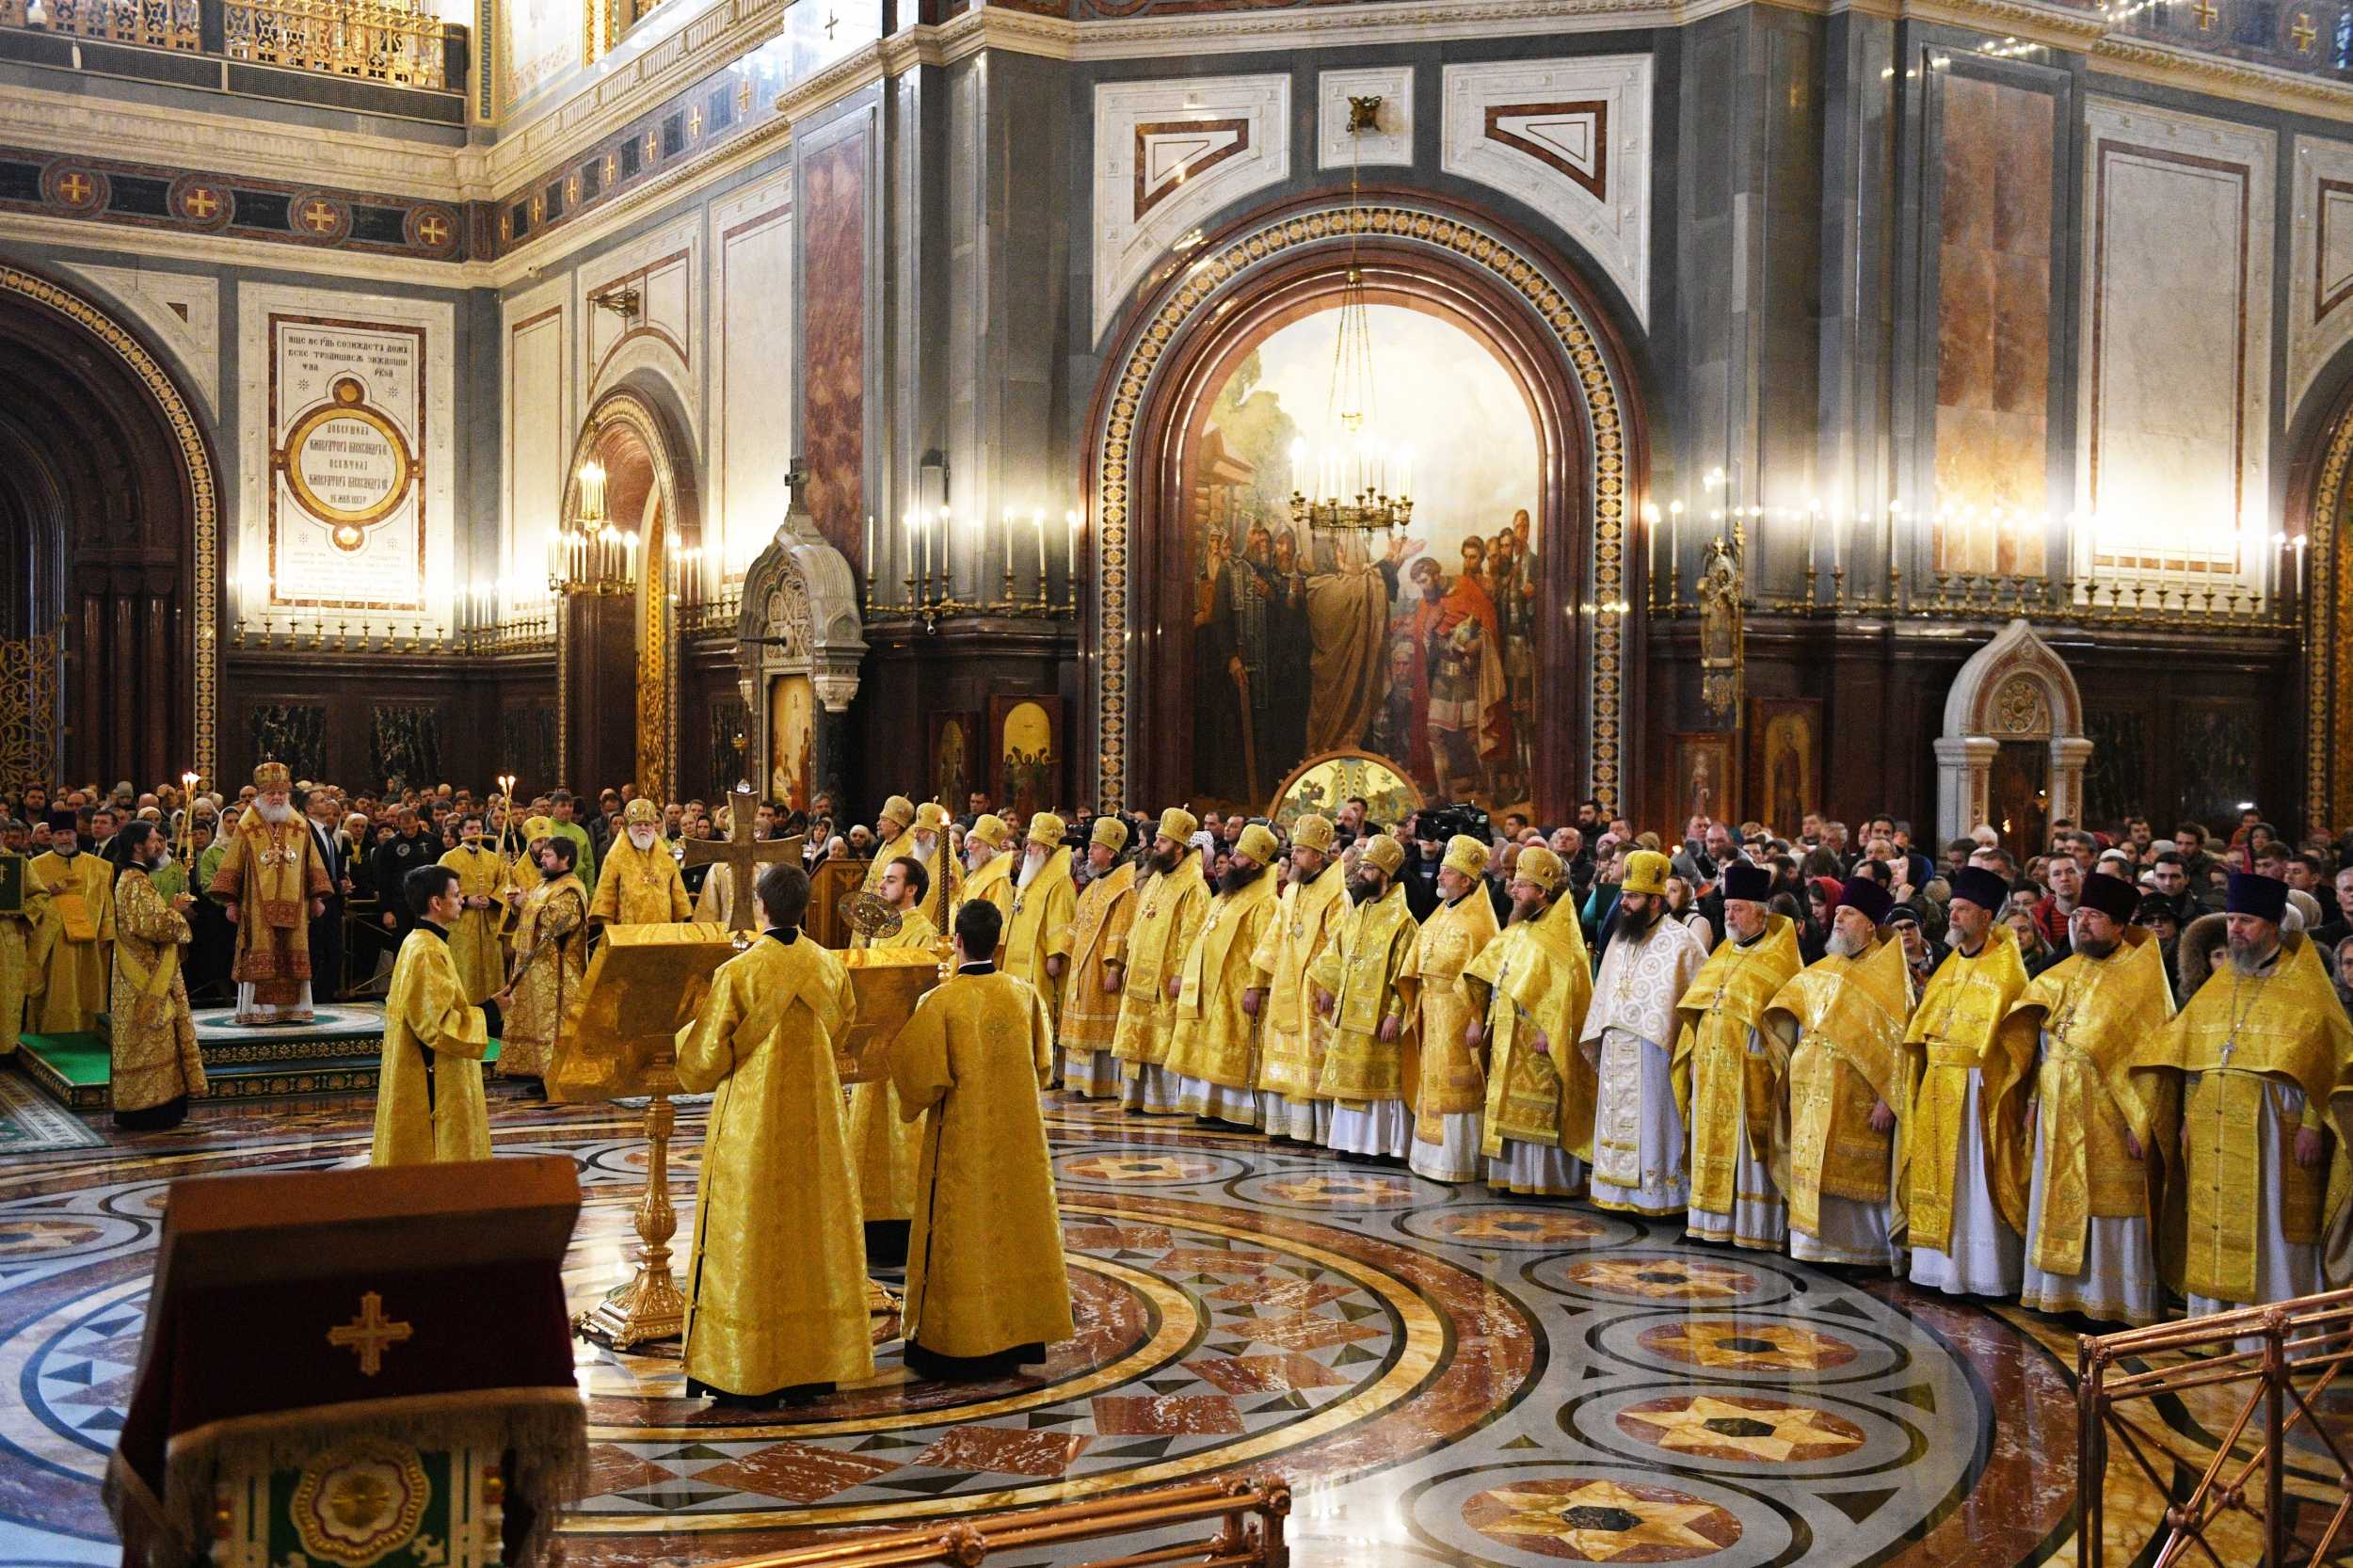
(1437, 824)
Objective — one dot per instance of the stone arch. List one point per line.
(2016, 688)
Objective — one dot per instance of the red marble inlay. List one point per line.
(1165, 1415)
(795, 1472)
(1011, 1450)
(1100, 1239)
(1211, 1260)
(1300, 1331)
(612, 1469)
(1265, 1374)
(1296, 1295)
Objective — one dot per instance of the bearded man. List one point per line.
(1170, 905)
(1099, 959)
(72, 937)
(1220, 991)
(1291, 1032)
(1722, 1082)
(640, 883)
(1451, 1089)
(473, 940)
(155, 1063)
(271, 882)
(1361, 986)
(551, 955)
(1639, 1141)
(1037, 937)
(892, 829)
(1965, 1140)
(1531, 988)
(988, 861)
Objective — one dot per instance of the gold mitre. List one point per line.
(642, 812)
(273, 776)
(1466, 856)
(1382, 852)
(1314, 832)
(1178, 823)
(1257, 843)
(897, 809)
(1646, 873)
(1539, 865)
(1111, 832)
(1046, 828)
(990, 829)
(929, 817)
(536, 828)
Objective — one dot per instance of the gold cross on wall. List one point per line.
(76, 188)
(320, 216)
(2205, 12)
(743, 854)
(203, 203)
(2303, 32)
(431, 230)
(369, 1334)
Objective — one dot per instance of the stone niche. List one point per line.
(2014, 749)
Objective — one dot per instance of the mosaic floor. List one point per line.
(1444, 1375)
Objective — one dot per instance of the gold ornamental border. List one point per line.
(2327, 664)
(1205, 279)
(349, 401)
(202, 489)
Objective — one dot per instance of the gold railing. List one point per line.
(2278, 1474)
(2001, 596)
(378, 42)
(1248, 1515)
(28, 708)
(714, 617)
(157, 24)
(311, 633)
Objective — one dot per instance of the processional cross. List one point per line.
(743, 854)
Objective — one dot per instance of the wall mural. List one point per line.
(1419, 647)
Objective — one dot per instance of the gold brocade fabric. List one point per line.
(429, 1098)
(776, 1284)
(993, 882)
(1724, 1092)
(1213, 1039)
(1835, 1037)
(715, 901)
(1169, 907)
(883, 1148)
(985, 1258)
(69, 977)
(2088, 1016)
(270, 873)
(554, 915)
(1536, 980)
(16, 967)
(473, 936)
(935, 861)
(1098, 938)
(1292, 1034)
(153, 1040)
(1952, 1034)
(1452, 1079)
(1040, 928)
(1364, 969)
(639, 887)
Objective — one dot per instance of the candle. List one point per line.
(1072, 519)
(1038, 517)
(1009, 544)
(1650, 547)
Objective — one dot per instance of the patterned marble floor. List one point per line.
(1444, 1375)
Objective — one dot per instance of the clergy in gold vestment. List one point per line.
(16, 940)
(883, 1146)
(473, 941)
(925, 842)
(894, 829)
(2065, 1050)
(1451, 1085)
(1834, 1037)
(988, 861)
(1170, 903)
(1531, 986)
(1722, 1080)
(1361, 986)
(73, 938)
(428, 1095)
(1640, 1145)
(272, 883)
(550, 956)
(640, 883)
(2257, 1055)
(1966, 1144)
(1213, 1051)
(1291, 1033)
(776, 1285)
(155, 1067)
(1098, 962)
(986, 1286)
(1037, 930)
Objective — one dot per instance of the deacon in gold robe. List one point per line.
(155, 1067)
(17, 975)
(72, 937)
(1722, 1082)
(2257, 1055)
(1964, 1140)
(1037, 930)
(272, 883)
(987, 1289)
(1099, 963)
(1531, 986)
(1213, 1050)
(926, 843)
(640, 883)
(2063, 1055)
(1362, 988)
(776, 1285)
(989, 862)
(1291, 1033)
(884, 1149)
(550, 956)
(428, 1097)
(1640, 1144)
(1452, 1093)
(1835, 1037)
(1170, 903)
(482, 883)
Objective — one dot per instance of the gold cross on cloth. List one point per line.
(743, 854)
(369, 1334)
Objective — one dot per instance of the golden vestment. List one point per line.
(1292, 1034)
(1040, 928)
(1364, 969)
(883, 1148)
(1170, 907)
(776, 1285)
(1536, 977)
(716, 901)
(2240, 1035)
(1725, 1094)
(1451, 1080)
(1953, 1030)
(640, 886)
(554, 918)
(271, 872)
(429, 1100)
(902, 845)
(1214, 1040)
(474, 938)
(19, 978)
(993, 882)
(2090, 1014)
(937, 863)
(1098, 937)
(985, 1258)
(1834, 1035)
(71, 940)
(153, 1043)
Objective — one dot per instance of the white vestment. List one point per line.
(1760, 1216)
(1987, 1257)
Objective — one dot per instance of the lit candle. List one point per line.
(1072, 518)
(1008, 542)
(1039, 517)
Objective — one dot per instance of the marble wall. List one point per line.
(832, 203)
(751, 393)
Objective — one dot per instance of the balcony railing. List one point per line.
(376, 42)
(156, 24)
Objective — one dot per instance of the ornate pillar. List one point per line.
(2070, 755)
(1965, 765)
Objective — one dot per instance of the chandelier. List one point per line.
(589, 554)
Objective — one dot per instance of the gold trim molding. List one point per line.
(2327, 663)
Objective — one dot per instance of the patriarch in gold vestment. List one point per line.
(988, 861)
(884, 1149)
(1291, 1032)
(428, 1097)
(73, 935)
(776, 1284)
(1213, 1050)
(640, 883)
(1098, 964)
(155, 1067)
(1640, 1144)
(1723, 1082)
(1835, 1037)
(272, 883)
(550, 954)
(1037, 929)
(1532, 985)
(1170, 903)
(1967, 1207)
(482, 883)
(1451, 1083)
(1362, 990)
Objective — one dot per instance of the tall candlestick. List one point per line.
(1009, 545)
(1038, 517)
(1072, 518)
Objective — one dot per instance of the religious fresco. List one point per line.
(1420, 646)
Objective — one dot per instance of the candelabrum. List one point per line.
(1963, 595)
(525, 631)
(925, 596)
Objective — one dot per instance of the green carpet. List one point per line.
(75, 1069)
(79, 1059)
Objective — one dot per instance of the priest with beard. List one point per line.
(1170, 903)
(473, 941)
(1037, 936)
(1099, 959)
(1722, 1082)
(1640, 1144)
(271, 882)
(1532, 987)
(1451, 1089)
(640, 883)
(154, 1067)
(1361, 986)
(988, 861)
(551, 955)
(73, 936)
(893, 829)
(1291, 1032)
(1213, 1049)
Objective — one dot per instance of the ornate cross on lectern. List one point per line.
(743, 854)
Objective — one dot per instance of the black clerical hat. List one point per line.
(1867, 898)
(2112, 896)
(2263, 897)
(1983, 887)
(1745, 881)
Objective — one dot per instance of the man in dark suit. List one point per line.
(327, 929)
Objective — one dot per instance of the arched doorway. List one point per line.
(2014, 749)
(2322, 488)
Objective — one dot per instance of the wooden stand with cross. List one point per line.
(740, 856)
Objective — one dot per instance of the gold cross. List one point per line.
(831, 22)
(2205, 12)
(202, 203)
(76, 188)
(369, 1334)
(744, 98)
(571, 187)
(612, 166)
(741, 853)
(539, 205)
(694, 122)
(2303, 32)
(653, 147)
(431, 230)
(320, 216)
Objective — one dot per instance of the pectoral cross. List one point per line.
(743, 854)
(369, 1334)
